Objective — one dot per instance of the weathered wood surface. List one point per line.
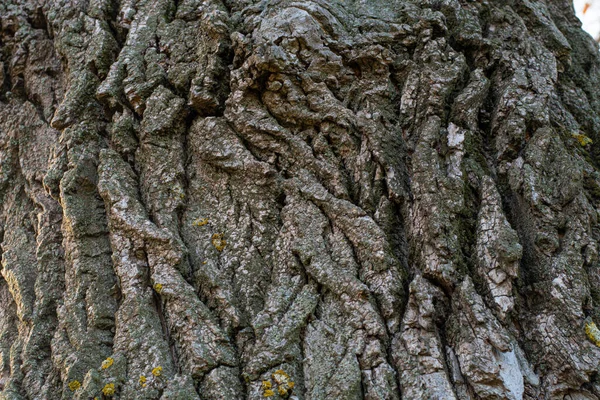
(370, 199)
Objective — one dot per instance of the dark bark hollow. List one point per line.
(298, 199)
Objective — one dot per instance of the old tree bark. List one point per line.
(370, 199)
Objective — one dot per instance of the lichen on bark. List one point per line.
(387, 199)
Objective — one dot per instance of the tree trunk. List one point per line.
(325, 199)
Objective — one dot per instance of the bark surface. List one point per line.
(324, 199)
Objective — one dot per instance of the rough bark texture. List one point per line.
(370, 199)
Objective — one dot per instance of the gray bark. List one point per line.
(324, 199)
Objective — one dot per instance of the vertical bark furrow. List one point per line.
(86, 318)
(419, 351)
(199, 340)
(139, 341)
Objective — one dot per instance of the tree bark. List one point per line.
(325, 199)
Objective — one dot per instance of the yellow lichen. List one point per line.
(74, 385)
(266, 385)
(281, 377)
(592, 332)
(108, 389)
(143, 381)
(200, 222)
(291, 384)
(218, 241)
(157, 371)
(158, 287)
(582, 139)
(269, 393)
(107, 363)
(282, 390)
